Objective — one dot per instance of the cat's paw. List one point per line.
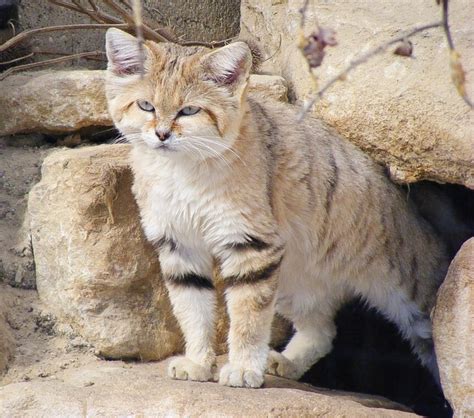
(235, 376)
(279, 365)
(181, 368)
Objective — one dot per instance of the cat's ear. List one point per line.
(123, 53)
(228, 66)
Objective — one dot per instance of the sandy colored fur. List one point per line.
(247, 187)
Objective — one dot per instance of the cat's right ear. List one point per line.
(123, 53)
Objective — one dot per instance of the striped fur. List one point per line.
(298, 219)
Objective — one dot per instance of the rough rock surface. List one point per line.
(94, 268)
(7, 343)
(119, 389)
(203, 20)
(65, 101)
(453, 324)
(19, 170)
(61, 101)
(405, 112)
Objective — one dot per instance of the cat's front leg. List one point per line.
(250, 275)
(187, 274)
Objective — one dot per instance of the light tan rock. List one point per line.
(94, 268)
(453, 325)
(405, 112)
(7, 343)
(66, 101)
(119, 389)
(52, 101)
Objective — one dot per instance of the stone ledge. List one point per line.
(119, 389)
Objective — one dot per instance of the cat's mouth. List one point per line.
(164, 147)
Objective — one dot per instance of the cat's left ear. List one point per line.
(123, 53)
(228, 66)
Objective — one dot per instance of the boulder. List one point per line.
(66, 101)
(7, 343)
(119, 389)
(53, 102)
(453, 328)
(404, 112)
(94, 268)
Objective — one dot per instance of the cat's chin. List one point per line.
(161, 148)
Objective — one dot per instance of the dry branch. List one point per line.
(457, 72)
(49, 62)
(24, 57)
(362, 59)
(28, 33)
(458, 75)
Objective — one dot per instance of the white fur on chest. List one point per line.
(177, 207)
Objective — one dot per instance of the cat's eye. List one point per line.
(146, 106)
(189, 110)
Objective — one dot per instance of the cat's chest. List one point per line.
(178, 207)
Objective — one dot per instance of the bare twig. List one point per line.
(96, 14)
(28, 33)
(148, 32)
(212, 44)
(362, 59)
(137, 15)
(49, 62)
(24, 57)
(12, 27)
(446, 25)
(157, 35)
(458, 75)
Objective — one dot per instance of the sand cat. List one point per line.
(297, 219)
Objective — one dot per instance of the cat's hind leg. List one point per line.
(315, 331)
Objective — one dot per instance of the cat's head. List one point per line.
(188, 103)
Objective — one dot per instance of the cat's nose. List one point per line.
(162, 135)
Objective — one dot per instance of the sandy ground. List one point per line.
(20, 167)
(42, 350)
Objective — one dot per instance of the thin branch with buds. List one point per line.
(457, 71)
(362, 59)
(458, 74)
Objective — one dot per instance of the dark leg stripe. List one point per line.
(263, 273)
(251, 243)
(191, 280)
(164, 242)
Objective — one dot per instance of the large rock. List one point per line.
(7, 343)
(94, 268)
(453, 324)
(119, 389)
(66, 101)
(54, 102)
(405, 112)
